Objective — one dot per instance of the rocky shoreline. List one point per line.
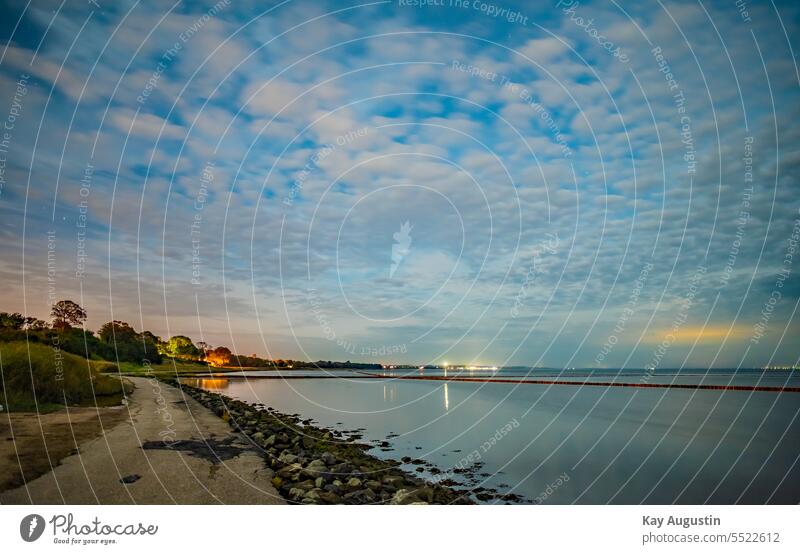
(314, 465)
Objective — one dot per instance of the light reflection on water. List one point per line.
(207, 384)
(616, 445)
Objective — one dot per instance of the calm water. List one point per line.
(619, 445)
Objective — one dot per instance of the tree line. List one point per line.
(119, 341)
(116, 340)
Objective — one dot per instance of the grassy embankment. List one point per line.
(35, 377)
(171, 367)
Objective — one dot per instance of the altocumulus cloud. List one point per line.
(165, 142)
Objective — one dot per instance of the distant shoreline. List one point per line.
(745, 388)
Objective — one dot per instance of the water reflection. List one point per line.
(208, 384)
(389, 393)
(446, 398)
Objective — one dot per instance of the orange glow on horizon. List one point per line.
(702, 335)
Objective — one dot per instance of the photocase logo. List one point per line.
(401, 246)
(31, 527)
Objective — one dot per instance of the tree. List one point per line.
(181, 346)
(35, 324)
(116, 330)
(160, 345)
(66, 314)
(125, 344)
(11, 321)
(204, 349)
(220, 356)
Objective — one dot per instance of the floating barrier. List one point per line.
(747, 388)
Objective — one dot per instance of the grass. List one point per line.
(36, 377)
(170, 367)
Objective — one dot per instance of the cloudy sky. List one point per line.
(585, 184)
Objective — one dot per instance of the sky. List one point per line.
(561, 184)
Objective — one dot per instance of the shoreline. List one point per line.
(313, 465)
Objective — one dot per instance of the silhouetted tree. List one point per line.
(35, 324)
(125, 344)
(66, 314)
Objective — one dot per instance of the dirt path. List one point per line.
(32, 445)
(162, 448)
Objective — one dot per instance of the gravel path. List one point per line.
(169, 449)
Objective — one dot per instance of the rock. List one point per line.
(373, 485)
(317, 465)
(277, 482)
(287, 458)
(409, 496)
(406, 459)
(426, 494)
(308, 442)
(403, 496)
(258, 436)
(315, 468)
(290, 471)
(328, 458)
(342, 469)
(306, 485)
(128, 479)
(395, 481)
(334, 489)
(296, 494)
(313, 494)
(354, 483)
(330, 497)
(270, 440)
(319, 482)
(362, 496)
